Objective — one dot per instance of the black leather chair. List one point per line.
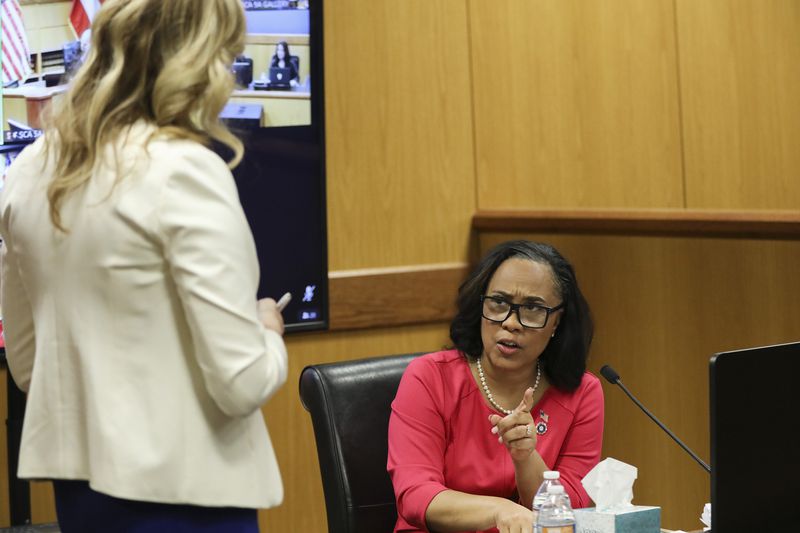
(350, 403)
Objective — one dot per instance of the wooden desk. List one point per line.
(281, 108)
(25, 104)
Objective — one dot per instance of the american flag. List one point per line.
(82, 14)
(15, 54)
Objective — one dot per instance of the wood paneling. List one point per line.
(662, 307)
(271, 39)
(290, 425)
(674, 222)
(399, 133)
(575, 104)
(394, 296)
(43, 503)
(46, 24)
(740, 77)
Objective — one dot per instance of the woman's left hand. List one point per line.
(516, 430)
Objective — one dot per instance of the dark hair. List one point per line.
(287, 57)
(564, 359)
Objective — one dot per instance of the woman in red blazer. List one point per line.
(474, 428)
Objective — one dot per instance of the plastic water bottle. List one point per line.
(550, 479)
(555, 515)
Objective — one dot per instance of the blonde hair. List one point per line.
(165, 62)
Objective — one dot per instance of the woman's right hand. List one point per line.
(269, 315)
(512, 517)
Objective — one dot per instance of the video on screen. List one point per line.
(273, 80)
(272, 109)
(273, 74)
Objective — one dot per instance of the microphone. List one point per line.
(612, 377)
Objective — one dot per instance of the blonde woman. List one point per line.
(129, 286)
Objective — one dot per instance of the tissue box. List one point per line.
(636, 519)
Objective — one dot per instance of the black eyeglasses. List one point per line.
(532, 316)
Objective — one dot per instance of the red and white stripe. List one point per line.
(15, 52)
(82, 14)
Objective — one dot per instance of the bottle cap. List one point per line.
(555, 489)
(551, 474)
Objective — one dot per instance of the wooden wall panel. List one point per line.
(46, 25)
(43, 503)
(753, 224)
(575, 104)
(399, 133)
(290, 425)
(394, 296)
(740, 77)
(662, 307)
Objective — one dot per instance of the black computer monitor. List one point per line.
(281, 185)
(281, 179)
(755, 457)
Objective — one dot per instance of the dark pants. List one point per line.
(83, 510)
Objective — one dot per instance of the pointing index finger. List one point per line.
(526, 404)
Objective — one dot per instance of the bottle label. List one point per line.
(557, 529)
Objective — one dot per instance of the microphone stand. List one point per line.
(618, 381)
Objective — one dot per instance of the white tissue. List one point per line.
(705, 518)
(610, 484)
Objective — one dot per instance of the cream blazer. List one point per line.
(136, 333)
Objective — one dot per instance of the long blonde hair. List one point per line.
(166, 62)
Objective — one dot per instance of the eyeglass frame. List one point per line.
(512, 307)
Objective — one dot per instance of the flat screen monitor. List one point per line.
(281, 179)
(755, 458)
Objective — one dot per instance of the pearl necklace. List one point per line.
(489, 393)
